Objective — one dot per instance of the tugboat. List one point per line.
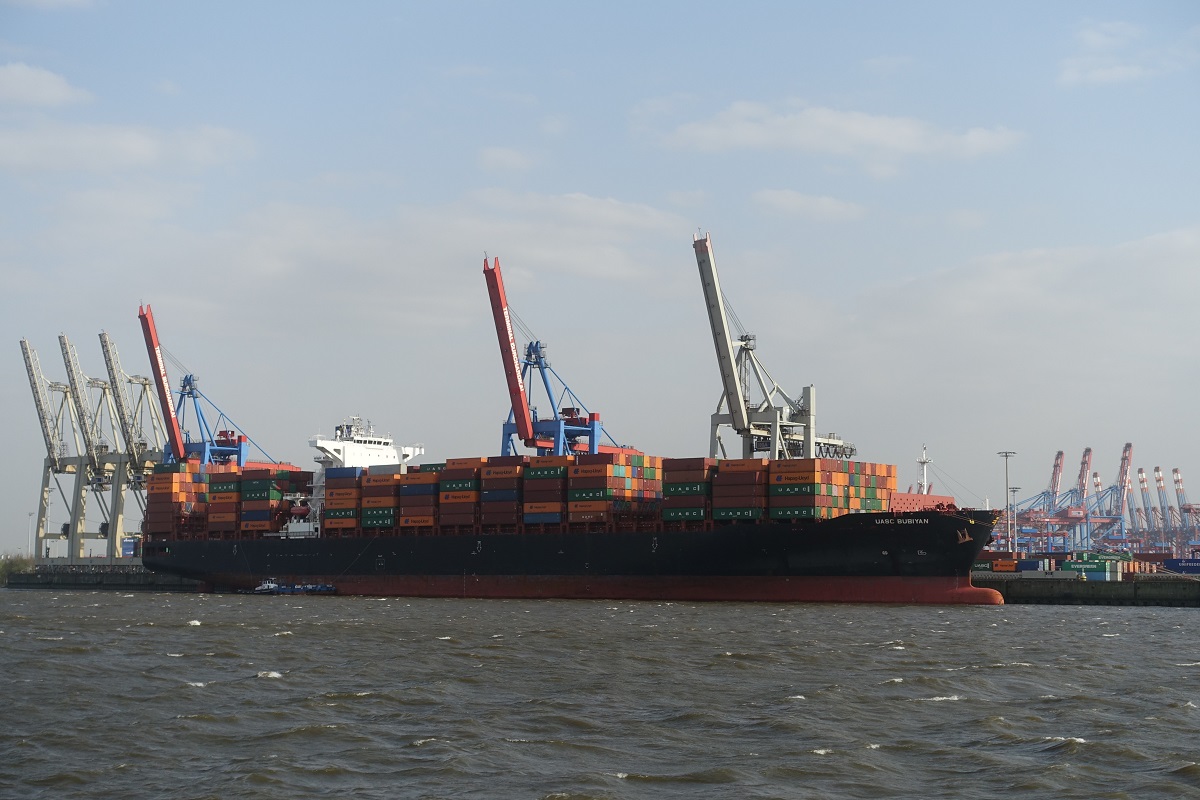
(271, 586)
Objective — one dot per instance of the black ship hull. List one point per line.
(916, 557)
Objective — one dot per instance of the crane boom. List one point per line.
(714, 301)
(154, 349)
(133, 446)
(76, 381)
(37, 382)
(1055, 480)
(1085, 466)
(509, 353)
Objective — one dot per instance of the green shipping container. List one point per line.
(794, 513)
(465, 485)
(674, 514)
(224, 486)
(737, 513)
(544, 473)
(686, 489)
(341, 513)
(580, 495)
(266, 494)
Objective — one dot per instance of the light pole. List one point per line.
(31, 534)
(1006, 455)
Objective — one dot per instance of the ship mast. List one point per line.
(923, 462)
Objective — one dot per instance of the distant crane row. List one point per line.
(1090, 515)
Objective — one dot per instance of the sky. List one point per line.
(973, 227)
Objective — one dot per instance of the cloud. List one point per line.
(106, 148)
(872, 138)
(806, 205)
(21, 84)
(503, 159)
(1119, 52)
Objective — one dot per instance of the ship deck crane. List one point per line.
(571, 428)
(214, 445)
(779, 426)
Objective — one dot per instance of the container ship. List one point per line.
(580, 519)
(620, 526)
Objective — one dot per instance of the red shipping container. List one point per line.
(741, 490)
(488, 484)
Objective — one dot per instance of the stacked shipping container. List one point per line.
(615, 491)
(697, 489)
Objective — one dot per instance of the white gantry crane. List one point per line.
(776, 426)
(85, 453)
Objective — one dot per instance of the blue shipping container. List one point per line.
(547, 518)
(1188, 565)
(343, 472)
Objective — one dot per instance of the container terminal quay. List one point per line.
(157, 477)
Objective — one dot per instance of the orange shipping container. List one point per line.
(343, 494)
(255, 525)
(514, 471)
(465, 463)
(551, 461)
(543, 508)
(223, 517)
(592, 471)
(342, 502)
(381, 480)
(225, 497)
(417, 477)
(340, 523)
(416, 522)
(458, 497)
(795, 477)
(589, 505)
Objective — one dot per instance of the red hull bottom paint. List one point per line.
(902, 590)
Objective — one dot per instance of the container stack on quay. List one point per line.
(1079, 565)
(697, 489)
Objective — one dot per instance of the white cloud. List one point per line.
(106, 148)
(810, 206)
(872, 138)
(554, 125)
(503, 159)
(21, 84)
(1119, 52)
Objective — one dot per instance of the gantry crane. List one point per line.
(778, 425)
(96, 466)
(60, 458)
(571, 428)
